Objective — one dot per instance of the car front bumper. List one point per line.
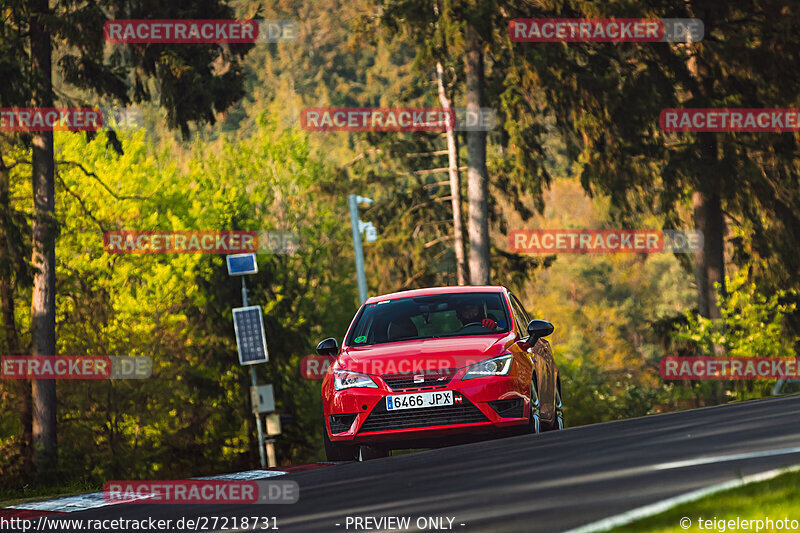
(489, 404)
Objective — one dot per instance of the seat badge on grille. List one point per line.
(419, 378)
(458, 398)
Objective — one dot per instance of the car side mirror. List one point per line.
(538, 329)
(328, 347)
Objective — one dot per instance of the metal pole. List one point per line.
(254, 383)
(362, 278)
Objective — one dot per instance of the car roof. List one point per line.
(460, 289)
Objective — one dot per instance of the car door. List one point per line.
(542, 359)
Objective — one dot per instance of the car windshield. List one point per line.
(428, 317)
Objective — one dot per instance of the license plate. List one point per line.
(419, 400)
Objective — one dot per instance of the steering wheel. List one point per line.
(465, 326)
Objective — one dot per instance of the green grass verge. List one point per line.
(777, 499)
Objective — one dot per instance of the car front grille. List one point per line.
(380, 419)
(429, 378)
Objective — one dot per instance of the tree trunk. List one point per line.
(709, 261)
(477, 175)
(710, 265)
(706, 200)
(43, 301)
(455, 185)
(708, 218)
(22, 386)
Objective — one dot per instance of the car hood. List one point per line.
(422, 355)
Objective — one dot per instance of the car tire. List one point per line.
(534, 417)
(367, 453)
(335, 451)
(558, 420)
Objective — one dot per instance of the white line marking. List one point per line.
(659, 507)
(723, 458)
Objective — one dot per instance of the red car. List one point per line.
(431, 367)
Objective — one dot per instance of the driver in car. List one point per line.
(472, 313)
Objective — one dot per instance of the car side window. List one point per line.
(522, 310)
(519, 316)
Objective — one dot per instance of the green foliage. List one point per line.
(752, 323)
(592, 394)
(193, 415)
(612, 314)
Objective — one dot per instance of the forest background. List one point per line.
(577, 145)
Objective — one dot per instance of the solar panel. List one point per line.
(241, 264)
(248, 324)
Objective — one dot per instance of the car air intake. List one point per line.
(512, 408)
(422, 378)
(380, 419)
(341, 423)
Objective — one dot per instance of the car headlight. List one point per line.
(344, 379)
(497, 366)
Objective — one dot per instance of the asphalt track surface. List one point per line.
(549, 482)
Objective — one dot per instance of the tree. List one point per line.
(14, 274)
(455, 183)
(607, 98)
(191, 417)
(192, 82)
(14, 242)
(477, 175)
(470, 39)
(43, 300)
